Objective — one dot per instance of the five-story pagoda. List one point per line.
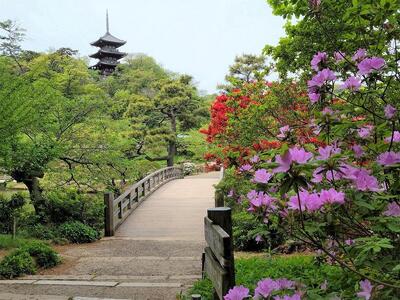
(108, 54)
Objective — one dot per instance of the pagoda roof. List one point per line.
(104, 53)
(104, 63)
(108, 38)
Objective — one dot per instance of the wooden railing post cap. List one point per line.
(108, 194)
(219, 209)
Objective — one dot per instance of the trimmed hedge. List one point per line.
(27, 259)
(18, 263)
(44, 255)
(77, 232)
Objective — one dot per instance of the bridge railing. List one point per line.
(118, 209)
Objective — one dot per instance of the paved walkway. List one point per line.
(155, 254)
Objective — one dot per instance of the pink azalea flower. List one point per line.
(327, 151)
(365, 132)
(366, 289)
(388, 158)
(283, 130)
(396, 137)
(327, 111)
(314, 202)
(318, 175)
(358, 151)
(363, 181)
(332, 175)
(237, 293)
(265, 287)
(285, 284)
(320, 79)
(288, 297)
(245, 168)
(309, 202)
(332, 196)
(324, 285)
(230, 194)
(252, 194)
(299, 155)
(314, 97)
(390, 111)
(339, 56)
(259, 239)
(349, 242)
(255, 159)
(262, 176)
(359, 55)
(284, 162)
(352, 83)
(392, 210)
(260, 199)
(293, 203)
(369, 65)
(318, 58)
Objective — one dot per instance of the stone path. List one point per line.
(155, 254)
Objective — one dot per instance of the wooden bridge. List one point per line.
(153, 249)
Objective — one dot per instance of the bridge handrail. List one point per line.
(118, 209)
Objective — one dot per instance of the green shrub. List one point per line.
(77, 232)
(16, 264)
(65, 206)
(301, 268)
(5, 215)
(7, 242)
(45, 256)
(201, 287)
(42, 232)
(246, 228)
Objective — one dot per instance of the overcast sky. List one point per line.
(197, 37)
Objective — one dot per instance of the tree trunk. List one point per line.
(172, 143)
(35, 191)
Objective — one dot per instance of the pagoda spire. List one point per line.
(108, 55)
(107, 23)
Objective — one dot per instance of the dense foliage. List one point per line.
(323, 168)
(68, 134)
(27, 259)
(299, 268)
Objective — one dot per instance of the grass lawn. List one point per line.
(300, 267)
(8, 243)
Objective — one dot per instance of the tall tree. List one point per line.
(69, 132)
(332, 25)
(245, 69)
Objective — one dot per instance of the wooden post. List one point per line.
(109, 214)
(14, 227)
(219, 198)
(222, 216)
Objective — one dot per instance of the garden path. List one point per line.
(155, 254)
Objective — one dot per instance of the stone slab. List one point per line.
(180, 277)
(151, 284)
(12, 296)
(91, 298)
(59, 277)
(129, 277)
(17, 281)
(77, 282)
